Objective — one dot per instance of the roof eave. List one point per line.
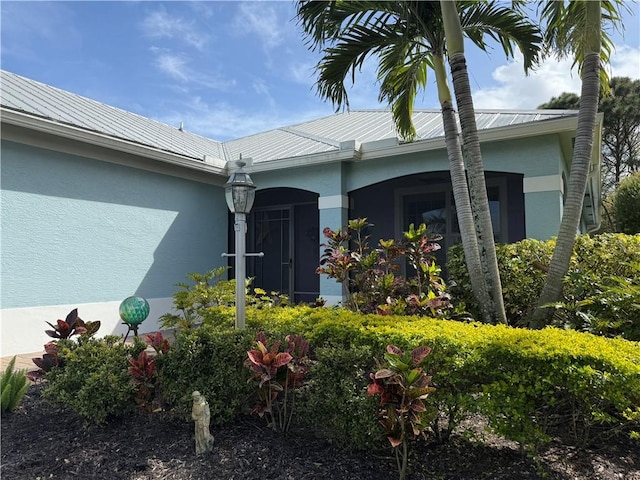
(46, 126)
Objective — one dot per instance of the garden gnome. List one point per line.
(201, 415)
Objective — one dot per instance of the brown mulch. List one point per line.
(40, 441)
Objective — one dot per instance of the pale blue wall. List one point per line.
(76, 230)
(363, 174)
(533, 157)
(324, 180)
(543, 211)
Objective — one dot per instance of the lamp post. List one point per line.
(240, 194)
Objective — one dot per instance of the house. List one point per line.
(99, 203)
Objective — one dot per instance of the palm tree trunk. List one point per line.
(579, 174)
(478, 188)
(461, 191)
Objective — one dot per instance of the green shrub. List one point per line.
(198, 302)
(529, 384)
(210, 360)
(335, 403)
(522, 274)
(559, 382)
(192, 301)
(627, 199)
(94, 382)
(13, 386)
(598, 262)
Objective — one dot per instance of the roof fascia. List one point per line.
(508, 132)
(69, 132)
(353, 153)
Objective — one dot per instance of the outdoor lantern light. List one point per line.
(240, 193)
(133, 311)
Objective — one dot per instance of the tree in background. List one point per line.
(621, 136)
(565, 101)
(627, 204)
(621, 128)
(576, 28)
(407, 38)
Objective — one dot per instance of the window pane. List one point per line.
(428, 208)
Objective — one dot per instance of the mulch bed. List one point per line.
(40, 441)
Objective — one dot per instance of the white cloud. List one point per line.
(177, 66)
(261, 87)
(513, 90)
(173, 65)
(160, 24)
(303, 72)
(261, 19)
(625, 62)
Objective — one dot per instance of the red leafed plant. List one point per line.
(403, 386)
(145, 374)
(278, 373)
(72, 325)
(157, 342)
(62, 330)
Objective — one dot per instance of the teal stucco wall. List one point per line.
(77, 230)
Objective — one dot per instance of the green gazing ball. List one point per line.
(133, 310)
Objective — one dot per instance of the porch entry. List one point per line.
(288, 234)
(436, 208)
(392, 205)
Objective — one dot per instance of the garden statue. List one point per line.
(201, 415)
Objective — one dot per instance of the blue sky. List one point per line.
(227, 68)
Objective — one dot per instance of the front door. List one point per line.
(288, 237)
(272, 235)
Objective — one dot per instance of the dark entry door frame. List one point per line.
(288, 236)
(270, 232)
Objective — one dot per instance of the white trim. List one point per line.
(378, 149)
(544, 183)
(31, 123)
(23, 328)
(333, 201)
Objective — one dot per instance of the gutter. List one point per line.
(69, 132)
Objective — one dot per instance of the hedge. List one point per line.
(595, 262)
(530, 385)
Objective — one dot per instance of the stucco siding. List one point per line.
(325, 180)
(76, 230)
(363, 174)
(543, 211)
(532, 157)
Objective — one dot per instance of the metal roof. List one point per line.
(317, 136)
(38, 99)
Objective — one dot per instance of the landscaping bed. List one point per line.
(43, 441)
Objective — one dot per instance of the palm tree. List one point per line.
(576, 27)
(407, 38)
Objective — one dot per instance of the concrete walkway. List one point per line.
(23, 361)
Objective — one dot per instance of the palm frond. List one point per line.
(347, 57)
(402, 73)
(508, 27)
(567, 33)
